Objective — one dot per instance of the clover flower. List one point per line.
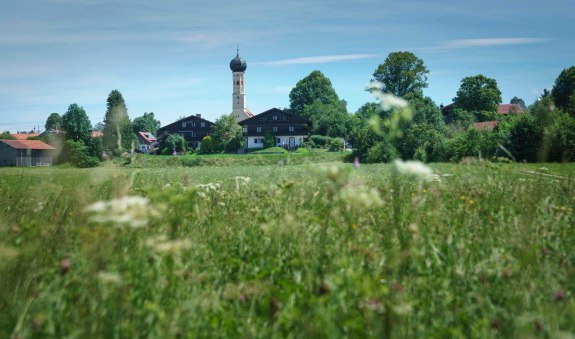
(132, 211)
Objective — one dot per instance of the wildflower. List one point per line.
(360, 196)
(65, 265)
(356, 162)
(415, 169)
(161, 244)
(388, 101)
(109, 277)
(210, 186)
(130, 210)
(424, 190)
(241, 181)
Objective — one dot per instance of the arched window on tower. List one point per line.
(237, 82)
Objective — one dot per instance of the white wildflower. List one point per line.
(241, 181)
(162, 244)
(388, 101)
(414, 168)
(210, 186)
(360, 196)
(109, 277)
(133, 211)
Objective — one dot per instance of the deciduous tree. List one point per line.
(54, 122)
(227, 133)
(314, 87)
(478, 93)
(76, 124)
(564, 89)
(402, 73)
(146, 123)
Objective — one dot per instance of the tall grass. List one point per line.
(302, 251)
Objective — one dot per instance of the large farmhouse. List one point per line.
(193, 128)
(25, 153)
(289, 130)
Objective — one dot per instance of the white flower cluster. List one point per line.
(242, 181)
(359, 196)
(210, 186)
(132, 211)
(162, 244)
(388, 101)
(415, 169)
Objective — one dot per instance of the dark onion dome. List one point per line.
(237, 64)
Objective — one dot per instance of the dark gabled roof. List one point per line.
(270, 111)
(28, 144)
(193, 116)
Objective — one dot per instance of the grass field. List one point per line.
(299, 250)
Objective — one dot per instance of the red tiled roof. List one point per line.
(147, 136)
(509, 108)
(486, 125)
(96, 134)
(249, 113)
(28, 144)
(24, 136)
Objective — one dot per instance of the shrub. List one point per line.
(207, 145)
(382, 151)
(78, 154)
(335, 145)
(320, 141)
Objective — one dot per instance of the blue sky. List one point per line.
(172, 57)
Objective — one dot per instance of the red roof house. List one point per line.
(25, 153)
(509, 109)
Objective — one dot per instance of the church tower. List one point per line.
(239, 109)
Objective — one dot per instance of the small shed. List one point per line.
(25, 153)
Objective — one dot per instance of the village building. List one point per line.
(25, 153)
(146, 142)
(289, 130)
(192, 128)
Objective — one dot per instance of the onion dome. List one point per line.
(237, 64)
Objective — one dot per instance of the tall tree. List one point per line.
(76, 124)
(402, 73)
(146, 123)
(118, 135)
(315, 86)
(227, 133)
(564, 89)
(330, 119)
(518, 101)
(54, 122)
(478, 93)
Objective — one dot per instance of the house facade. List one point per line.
(193, 128)
(289, 130)
(146, 142)
(25, 153)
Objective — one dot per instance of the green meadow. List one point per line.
(294, 248)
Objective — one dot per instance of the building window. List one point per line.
(203, 124)
(237, 82)
(291, 129)
(279, 141)
(275, 117)
(275, 128)
(255, 140)
(245, 129)
(258, 129)
(193, 124)
(184, 124)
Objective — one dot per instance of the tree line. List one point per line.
(545, 132)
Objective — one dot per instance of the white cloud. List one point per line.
(319, 59)
(484, 42)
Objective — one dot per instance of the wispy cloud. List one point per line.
(319, 59)
(485, 42)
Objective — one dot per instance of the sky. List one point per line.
(172, 57)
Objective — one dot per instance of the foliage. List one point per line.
(335, 145)
(77, 124)
(207, 146)
(6, 136)
(227, 134)
(329, 119)
(314, 87)
(525, 138)
(402, 73)
(425, 111)
(269, 139)
(470, 143)
(368, 110)
(146, 123)
(559, 139)
(478, 93)
(78, 154)
(171, 143)
(118, 133)
(564, 89)
(271, 150)
(320, 141)
(95, 147)
(518, 101)
(54, 122)
(382, 151)
(421, 142)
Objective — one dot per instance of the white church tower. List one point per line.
(239, 109)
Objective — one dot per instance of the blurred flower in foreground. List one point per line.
(416, 169)
(109, 277)
(162, 244)
(241, 181)
(209, 186)
(389, 102)
(131, 211)
(358, 195)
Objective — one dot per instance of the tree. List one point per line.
(368, 110)
(118, 135)
(172, 143)
(315, 86)
(269, 139)
(6, 136)
(402, 73)
(146, 123)
(518, 101)
(227, 133)
(207, 145)
(564, 88)
(76, 124)
(99, 126)
(79, 154)
(478, 93)
(54, 122)
(330, 119)
(425, 111)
